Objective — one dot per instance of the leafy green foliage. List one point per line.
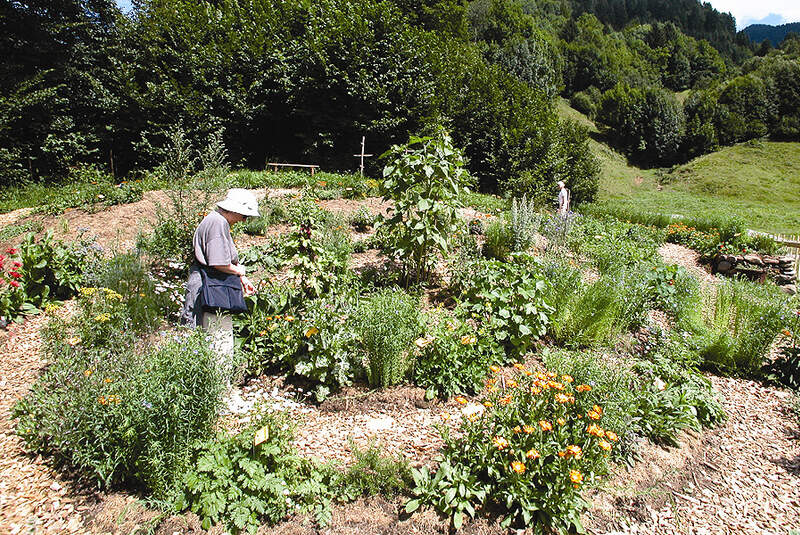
(528, 455)
(508, 299)
(312, 267)
(453, 357)
(386, 324)
(424, 180)
(117, 413)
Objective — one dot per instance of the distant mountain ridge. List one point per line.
(774, 34)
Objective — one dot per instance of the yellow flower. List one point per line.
(564, 398)
(612, 436)
(51, 308)
(488, 404)
(576, 477)
(289, 318)
(445, 416)
(73, 341)
(461, 400)
(512, 384)
(535, 390)
(554, 385)
(500, 443)
(87, 292)
(109, 380)
(575, 451)
(519, 366)
(311, 331)
(598, 409)
(468, 340)
(424, 341)
(532, 454)
(545, 425)
(594, 415)
(518, 467)
(102, 400)
(88, 373)
(595, 430)
(505, 400)
(494, 368)
(583, 388)
(561, 421)
(605, 445)
(567, 378)
(102, 318)
(527, 429)
(287, 338)
(517, 429)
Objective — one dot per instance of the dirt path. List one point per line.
(673, 253)
(33, 498)
(744, 479)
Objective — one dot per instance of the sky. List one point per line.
(746, 12)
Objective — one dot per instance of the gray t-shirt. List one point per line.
(213, 245)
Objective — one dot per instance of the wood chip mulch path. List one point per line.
(33, 498)
(747, 479)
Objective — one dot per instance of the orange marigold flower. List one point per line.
(575, 451)
(488, 404)
(787, 332)
(567, 378)
(612, 436)
(519, 366)
(576, 477)
(527, 429)
(517, 429)
(554, 385)
(518, 467)
(551, 375)
(564, 398)
(595, 430)
(604, 444)
(500, 443)
(561, 421)
(535, 390)
(512, 384)
(545, 425)
(87, 373)
(532, 454)
(505, 400)
(583, 388)
(593, 415)
(598, 409)
(461, 400)
(494, 368)
(102, 400)
(109, 380)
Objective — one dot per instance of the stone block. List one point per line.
(724, 266)
(753, 259)
(790, 289)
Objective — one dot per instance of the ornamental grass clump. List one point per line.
(537, 441)
(386, 325)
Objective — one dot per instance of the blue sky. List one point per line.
(746, 11)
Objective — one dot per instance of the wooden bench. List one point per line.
(275, 166)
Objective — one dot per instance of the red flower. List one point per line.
(15, 284)
(17, 264)
(15, 275)
(11, 251)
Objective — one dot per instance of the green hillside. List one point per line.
(759, 181)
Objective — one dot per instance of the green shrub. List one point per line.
(88, 187)
(313, 268)
(499, 240)
(527, 456)
(117, 414)
(743, 320)
(613, 244)
(597, 313)
(453, 357)
(424, 179)
(524, 221)
(146, 303)
(239, 481)
(507, 298)
(362, 219)
(371, 474)
(386, 325)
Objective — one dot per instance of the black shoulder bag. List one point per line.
(221, 291)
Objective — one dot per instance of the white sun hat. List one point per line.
(240, 201)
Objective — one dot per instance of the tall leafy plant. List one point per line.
(423, 179)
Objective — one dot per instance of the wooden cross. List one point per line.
(362, 155)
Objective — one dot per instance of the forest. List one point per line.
(86, 85)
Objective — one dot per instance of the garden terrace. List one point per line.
(516, 356)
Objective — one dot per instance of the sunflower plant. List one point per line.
(424, 179)
(537, 441)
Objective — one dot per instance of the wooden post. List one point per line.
(362, 155)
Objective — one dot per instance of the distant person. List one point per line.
(217, 282)
(564, 198)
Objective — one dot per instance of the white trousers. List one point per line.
(220, 328)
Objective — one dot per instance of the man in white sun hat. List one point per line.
(217, 263)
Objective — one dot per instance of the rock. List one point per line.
(783, 279)
(753, 259)
(739, 258)
(790, 289)
(380, 424)
(789, 273)
(771, 261)
(724, 266)
(786, 260)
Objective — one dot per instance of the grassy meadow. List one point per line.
(759, 181)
